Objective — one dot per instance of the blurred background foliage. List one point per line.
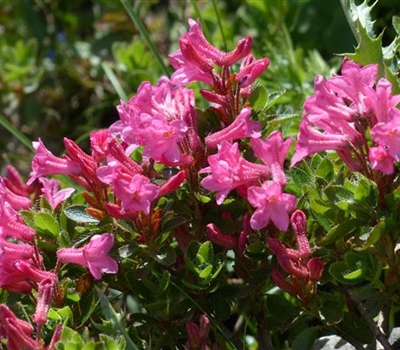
(64, 65)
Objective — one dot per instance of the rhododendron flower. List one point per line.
(311, 141)
(387, 134)
(381, 160)
(352, 83)
(271, 205)
(45, 294)
(272, 152)
(93, 255)
(250, 70)
(241, 127)
(17, 202)
(336, 114)
(51, 191)
(12, 225)
(380, 100)
(17, 332)
(136, 193)
(46, 163)
(159, 118)
(196, 57)
(228, 170)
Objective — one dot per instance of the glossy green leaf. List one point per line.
(78, 214)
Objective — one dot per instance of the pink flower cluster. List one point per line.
(21, 263)
(344, 111)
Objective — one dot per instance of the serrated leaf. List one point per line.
(78, 214)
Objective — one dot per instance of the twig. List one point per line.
(376, 330)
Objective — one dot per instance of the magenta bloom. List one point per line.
(228, 170)
(46, 163)
(17, 201)
(381, 160)
(52, 193)
(380, 100)
(93, 255)
(195, 59)
(250, 70)
(272, 152)
(387, 134)
(17, 332)
(136, 193)
(159, 118)
(334, 115)
(241, 127)
(272, 205)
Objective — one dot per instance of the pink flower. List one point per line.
(310, 141)
(12, 225)
(99, 145)
(136, 193)
(217, 237)
(381, 160)
(228, 170)
(52, 193)
(273, 152)
(17, 332)
(93, 255)
(272, 205)
(352, 82)
(45, 291)
(45, 163)
(387, 134)
(197, 57)
(159, 118)
(380, 100)
(250, 70)
(241, 127)
(17, 202)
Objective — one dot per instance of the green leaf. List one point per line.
(356, 328)
(47, 225)
(369, 49)
(206, 272)
(341, 272)
(305, 340)
(332, 308)
(373, 235)
(342, 230)
(258, 98)
(78, 214)
(112, 316)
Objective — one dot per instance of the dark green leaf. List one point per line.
(305, 340)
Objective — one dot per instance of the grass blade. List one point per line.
(145, 35)
(16, 133)
(114, 81)
(221, 29)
